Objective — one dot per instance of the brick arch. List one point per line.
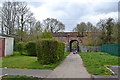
(66, 37)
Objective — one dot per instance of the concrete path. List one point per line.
(71, 67)
(27, 72)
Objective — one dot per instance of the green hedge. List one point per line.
(31, 48)
(50, 51)
(20, 47)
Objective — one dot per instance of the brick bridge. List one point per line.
(69, 37)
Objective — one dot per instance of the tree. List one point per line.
(15, 16)
(46, 34)
(106, 27)
(102, 35)
(32, 23)
(37, 30)
(16, 19)
(81, 28)
(53, 25)
(85, 27)
(8, 15)
(24, 16)
(116, 32)
(109, 27)
(1, 21)
(91, 40)
(91, 28)
(25, 36)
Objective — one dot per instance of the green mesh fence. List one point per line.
(113, 49)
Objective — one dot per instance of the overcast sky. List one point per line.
(72, 12)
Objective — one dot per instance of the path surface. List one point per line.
(71, 67)
(27, 72)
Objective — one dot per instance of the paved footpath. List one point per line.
(71, 67)
(27, 72)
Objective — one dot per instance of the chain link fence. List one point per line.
(90, 48)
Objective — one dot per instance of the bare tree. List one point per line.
(16, 19)
(8, 16)
(1, 21)
(24, 16)
(31, 24)
(38, 29)
(53, 25)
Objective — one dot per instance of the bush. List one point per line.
(31, 48)
(50, 51)
(20, 47)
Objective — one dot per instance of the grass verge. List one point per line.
(95, 61)
(19, 77)
(27, 62)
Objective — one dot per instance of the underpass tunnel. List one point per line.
(74, 44)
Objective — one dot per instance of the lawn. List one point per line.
(95, 61)
(27, 62)
(19, 77)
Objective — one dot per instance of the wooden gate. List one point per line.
(2, 47)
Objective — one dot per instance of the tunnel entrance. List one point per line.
(74, 44)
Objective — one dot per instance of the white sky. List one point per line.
(72, 12)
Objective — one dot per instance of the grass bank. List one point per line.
(95, 61)
(27, 62)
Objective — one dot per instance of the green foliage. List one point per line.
(80, 34)
(50, 51)
(85, 27)
(91, 41)
(109, 27)
(20, 47)
(107, 31)
(21, 36)
(75, 45)
(29, 62)
(116, 32)
(80, 27)
(31, 48)
(46, 34)
(95, 61)
(18, 77)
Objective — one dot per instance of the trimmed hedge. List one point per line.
(50, 51)
(31, 48)
(20, 47)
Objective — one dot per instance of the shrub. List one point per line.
(31, 48)
(50, 51)
(20, 47)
